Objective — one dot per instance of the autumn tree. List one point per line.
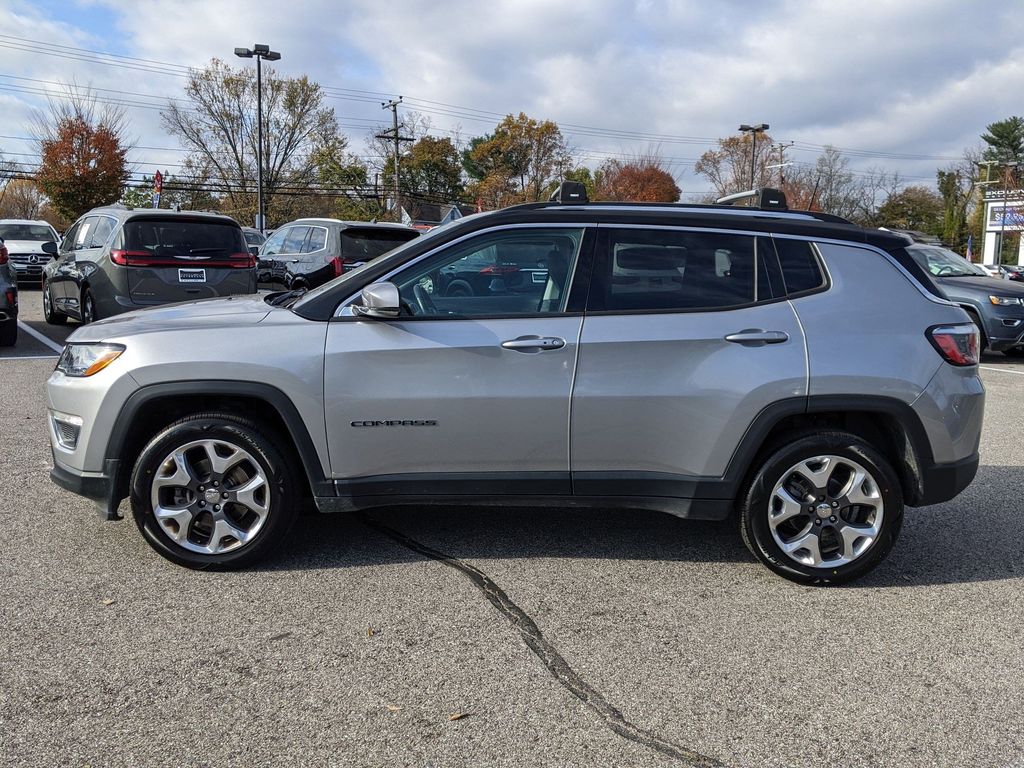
(82, 152)
(519, 162)
(644, 180)
(218, 128)
(21, 199)
(727, 166)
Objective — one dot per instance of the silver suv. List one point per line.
(787, 367)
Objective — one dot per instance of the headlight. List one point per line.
(87, 359)
(1005, 301)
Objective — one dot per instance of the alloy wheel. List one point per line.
(825, 511)
(210, 496)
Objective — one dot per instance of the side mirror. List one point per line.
(379, 300)
(50, 248)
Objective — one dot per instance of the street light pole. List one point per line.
(753, 130)
(259, 52)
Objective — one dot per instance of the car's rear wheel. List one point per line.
(211, 491)
(50, 313)
(89, 314)
(825, 508)
(9, 333)
(1014, 352)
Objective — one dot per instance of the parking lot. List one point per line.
(438, 637)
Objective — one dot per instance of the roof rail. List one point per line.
(768, 199)
(570, 192)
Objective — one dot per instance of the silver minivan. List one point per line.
(113, 260)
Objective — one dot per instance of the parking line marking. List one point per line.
(39, 337)
(29, 357)
(1000, 370)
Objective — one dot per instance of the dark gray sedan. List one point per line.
(8, 300)
(996, 306)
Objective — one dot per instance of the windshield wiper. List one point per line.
(287, 298)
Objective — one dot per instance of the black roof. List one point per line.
(801, 223)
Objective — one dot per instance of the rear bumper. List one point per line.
(942, 482)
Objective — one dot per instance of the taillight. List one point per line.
(958, 344)
(12, 298)
(145, 259)
(130, 258)
(337, 265)
(498, 270)
(3, 254)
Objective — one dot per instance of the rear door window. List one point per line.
(317, 240)
(673, 270)
(294, 240)
(101, 232)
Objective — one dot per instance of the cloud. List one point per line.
(916, 78)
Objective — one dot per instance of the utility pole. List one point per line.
(397, 140)
(782, 161)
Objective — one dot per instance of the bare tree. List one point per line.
(219, 129)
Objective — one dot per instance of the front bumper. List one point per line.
(100, 487)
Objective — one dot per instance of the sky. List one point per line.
(903, 85)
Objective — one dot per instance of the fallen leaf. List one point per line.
(393, 708)
(458, 715)
(108, 601)
(369, 631)
(281, 636)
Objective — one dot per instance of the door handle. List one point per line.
(755, 337)
(534, 343)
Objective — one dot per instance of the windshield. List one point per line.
(26, 232)
(942, 262)
(353, 275)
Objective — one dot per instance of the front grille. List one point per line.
(23, 265)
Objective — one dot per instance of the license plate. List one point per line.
(191, 275)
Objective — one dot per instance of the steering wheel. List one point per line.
(423, 300)
(947, 270)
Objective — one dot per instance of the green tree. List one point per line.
(1005, 140)
(431, 169)
(913, 207)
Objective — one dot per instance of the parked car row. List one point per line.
(113, 259)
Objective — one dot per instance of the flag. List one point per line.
(970, 249)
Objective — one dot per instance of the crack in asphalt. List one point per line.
(549, 655)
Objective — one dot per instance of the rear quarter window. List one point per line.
(801, 269)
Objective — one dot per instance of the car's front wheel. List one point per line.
(211, 491)
(9, 333)
(825, 508)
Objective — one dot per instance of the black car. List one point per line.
(114, 260)
(1012, 272)
(995, 305)
(8, 300)
(309, 252)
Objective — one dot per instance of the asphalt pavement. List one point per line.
(451, 637)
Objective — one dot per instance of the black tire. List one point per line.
(983, 339)
(89, 313)
(756, 499)
(459, 288)
(1014, 352)
(285, 492)
(9, 333)
(50, 313)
